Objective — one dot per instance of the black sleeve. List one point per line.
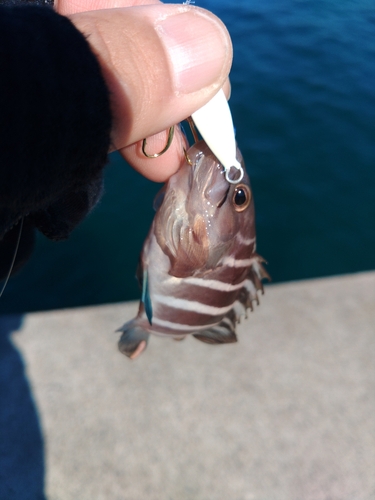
(55, 122)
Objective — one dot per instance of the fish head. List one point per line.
(223, 206)
(201, 212)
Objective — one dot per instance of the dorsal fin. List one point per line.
(253, 284)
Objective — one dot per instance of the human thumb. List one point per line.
(161, 63)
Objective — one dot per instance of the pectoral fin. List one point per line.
(146, 300)
(192, 250)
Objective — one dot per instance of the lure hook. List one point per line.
(195, 137)
(187, 158)
(166, 147)
(193, 129)
(232, 180)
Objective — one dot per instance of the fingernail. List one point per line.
(198, 47)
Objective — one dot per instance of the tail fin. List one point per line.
(134, 339)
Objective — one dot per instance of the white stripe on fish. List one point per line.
(232, 262)
(214, 284)
(245, 241)
(190, 305)
(176, 326)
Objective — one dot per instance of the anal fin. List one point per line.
(223, 333)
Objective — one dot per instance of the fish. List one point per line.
(198, 269)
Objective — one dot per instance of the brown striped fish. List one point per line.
(198, 269)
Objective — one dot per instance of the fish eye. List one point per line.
(241, 197)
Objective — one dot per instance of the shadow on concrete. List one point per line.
(21, 442)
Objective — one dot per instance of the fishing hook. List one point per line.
(187, 158)
(193, 128)
(195, 137)
(228, 177)
(166, 147)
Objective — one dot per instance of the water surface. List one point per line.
(303, 102)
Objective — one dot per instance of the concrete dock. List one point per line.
(287, 413)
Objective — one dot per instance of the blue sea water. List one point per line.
(303, 103)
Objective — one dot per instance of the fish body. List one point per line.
(198, 269)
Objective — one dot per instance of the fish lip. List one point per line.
(217, 189)
(224, 199)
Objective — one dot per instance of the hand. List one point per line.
(161, 63)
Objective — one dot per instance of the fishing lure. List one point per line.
(198, 269)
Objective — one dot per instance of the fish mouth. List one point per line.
(207, 180)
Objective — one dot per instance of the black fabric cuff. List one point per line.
(39, 3)
(55, 121)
